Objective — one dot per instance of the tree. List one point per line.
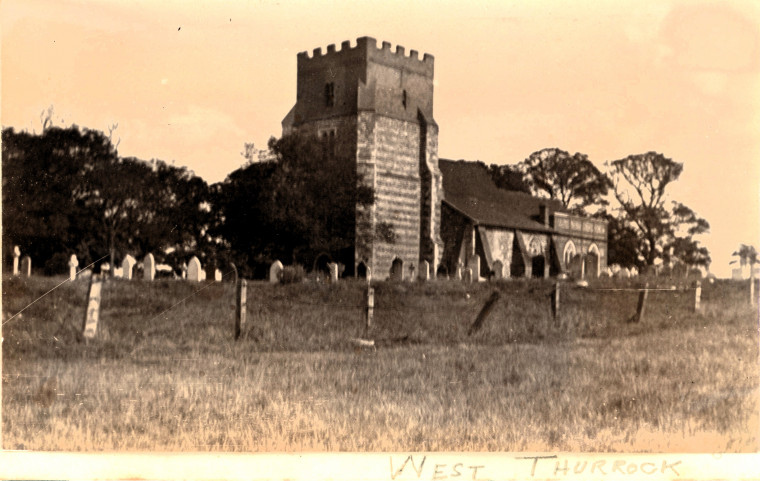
(748, 256)
(571, 179)
(300, 205)
(640, 183)
(508, 177)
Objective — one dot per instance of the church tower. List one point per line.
(377, 104)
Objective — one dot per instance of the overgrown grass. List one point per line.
(165, 373)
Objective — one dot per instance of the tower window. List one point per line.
(329, 94)
(403, 98)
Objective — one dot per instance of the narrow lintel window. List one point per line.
(403, 98)
(329, 94)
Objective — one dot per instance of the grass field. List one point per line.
(164, 373)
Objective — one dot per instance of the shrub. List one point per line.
(292, 274)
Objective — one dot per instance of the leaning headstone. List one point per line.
(194, 270)
(498, 270)
(127, 266)
(217, 275)
(93, 307)
(149, 267)
(424, 272)
(16, 255)
(474, 264)
(73, 264)
(333, 268)
(275, 271)
(26, 266)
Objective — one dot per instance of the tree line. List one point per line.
(67, 191)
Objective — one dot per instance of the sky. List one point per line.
(191, 82)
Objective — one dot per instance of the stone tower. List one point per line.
(377, 104)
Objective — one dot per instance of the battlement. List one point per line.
(366, 47)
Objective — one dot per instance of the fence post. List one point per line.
(90, 327)
(370, 310)
(555, 302)
(484, 312)
(697, 296)
(752, 289)
(240, 307)
(641, 308)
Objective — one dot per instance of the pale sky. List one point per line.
(191, 81)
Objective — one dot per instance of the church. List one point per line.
(376, 102)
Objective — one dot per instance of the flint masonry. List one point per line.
(377, 102)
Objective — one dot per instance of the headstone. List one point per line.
(234, 272)
(217, 275)
(16, 255)
(474, 264)
(184, 271)
(468, 275)
(194, 270)
(127, 266)
(458, 273)
(275, 271)
(26, 266)
(333, 268)
(424, 272)
(93, 307)
(149, 267)
(73, 264)
(118, 272)
(498, 270)
(369, 275)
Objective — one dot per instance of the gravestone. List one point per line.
(149, 267)
(458, 273)
(498, 270)
(209, 272)
(73, 264)
(217, 275)
(16, 255)
(424, 272)
(468, 275)
(194, 270)
(275, 271)
(333, 268)
(184, 271)
(474, 264)
(234, 276)
(26, 266)
(127, 267)
(369, 275)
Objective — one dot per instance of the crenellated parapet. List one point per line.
(366, 48)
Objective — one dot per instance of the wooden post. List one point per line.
(752, 286)
(555, 302)
(484, 312)
(697, 296)
(370, 311)
(240, 307)
(90, 326)
(641, 308)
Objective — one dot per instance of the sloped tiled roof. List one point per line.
(468, 188)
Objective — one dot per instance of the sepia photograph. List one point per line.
(327, 227)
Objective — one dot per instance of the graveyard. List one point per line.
(165, 371)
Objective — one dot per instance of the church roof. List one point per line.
(468, 188)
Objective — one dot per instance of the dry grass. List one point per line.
(165, 373)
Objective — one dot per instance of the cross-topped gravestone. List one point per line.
(73, 264)
(16, 255)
